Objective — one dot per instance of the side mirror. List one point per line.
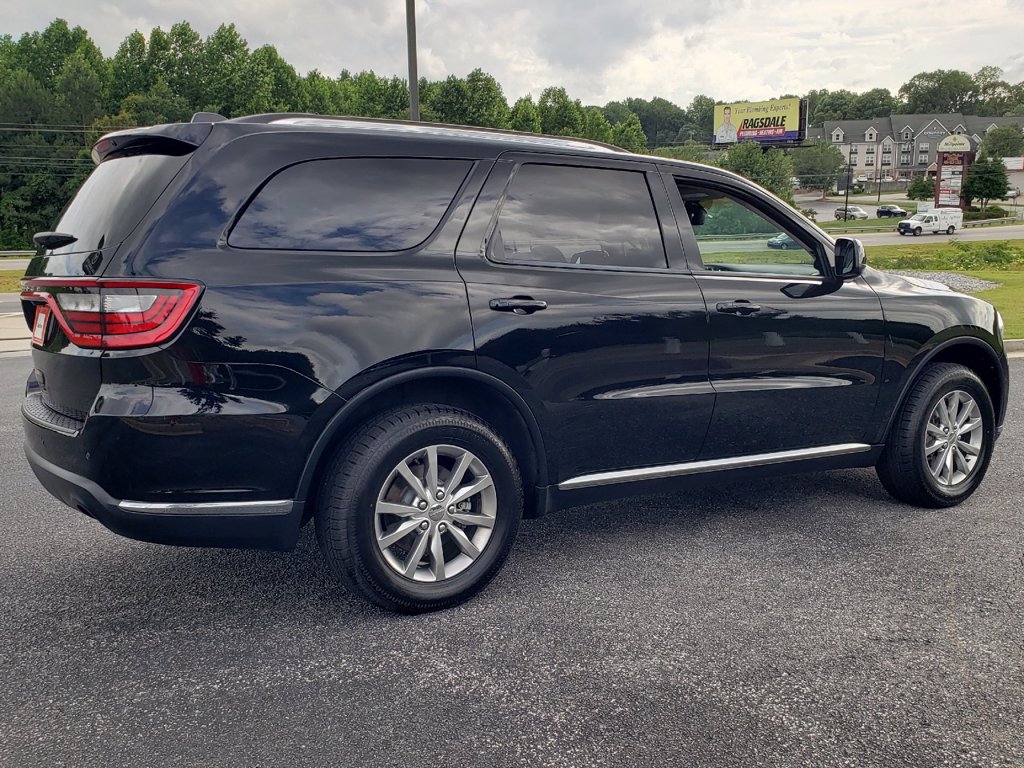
(850, 259)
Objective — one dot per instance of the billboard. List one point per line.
(779, 120)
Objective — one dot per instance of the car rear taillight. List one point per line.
(110, 313)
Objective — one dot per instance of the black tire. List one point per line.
(917, 231)
(357, 474)
(903, 468)
(950, 230)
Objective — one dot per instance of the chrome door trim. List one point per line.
(709, 465)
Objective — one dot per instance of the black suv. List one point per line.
(886, 211)
(415, 335)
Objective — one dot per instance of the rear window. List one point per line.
(354, 204)
(114, 199)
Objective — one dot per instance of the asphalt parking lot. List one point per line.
(806, 621)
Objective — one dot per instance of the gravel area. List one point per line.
(954, 280)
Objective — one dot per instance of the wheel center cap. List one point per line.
(436, 512)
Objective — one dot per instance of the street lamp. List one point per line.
(414, 80)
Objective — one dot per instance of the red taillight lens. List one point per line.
(115, 313)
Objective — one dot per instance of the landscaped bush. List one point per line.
(957, 257)
(991, 254)
(991, 212)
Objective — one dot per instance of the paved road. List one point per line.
(795, 622)
(974, 234)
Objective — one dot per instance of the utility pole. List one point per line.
(849, 178)
(414, 80)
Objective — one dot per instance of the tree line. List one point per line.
(59, 94)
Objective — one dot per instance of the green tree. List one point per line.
(921, 188)
(660, 119)
(992, 93)
(157, 105)
(525, 116)
(817, 165)
(615, 112)
(317, 94)
(939, 91)
(595, 126)
(825, 105)
(986, 180)
(225, 66)
(701, 115)
(629, 135)
(24, 100)
(272, 84)
(771, 168)
(1003, 141)
(449, 101)
(560, 115)
(878, 102)
(158, 54)
(186, 73)
(485, 101)
(132, 71)
(43, 54)
(80, 88)
(368, 95)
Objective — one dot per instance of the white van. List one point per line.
(947, 220)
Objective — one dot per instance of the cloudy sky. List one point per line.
(731, 50)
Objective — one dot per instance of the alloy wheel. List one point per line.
(435, 513)
(954, 438)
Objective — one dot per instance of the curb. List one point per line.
(1014, 345)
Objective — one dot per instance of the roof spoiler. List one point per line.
(172, 139)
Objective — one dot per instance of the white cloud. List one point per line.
(601, 51)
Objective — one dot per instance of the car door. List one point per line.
(573, 304)
(795, 354)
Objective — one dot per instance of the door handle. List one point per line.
(520, 305)
(739, 307)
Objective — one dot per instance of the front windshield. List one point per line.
(918, 217)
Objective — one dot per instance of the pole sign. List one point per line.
(954, 158)
(767, 122)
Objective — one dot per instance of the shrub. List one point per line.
(995, 254)
(992, 212)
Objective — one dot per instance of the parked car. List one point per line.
(888, 179)
(412, 336)
(850, 212)
(886, 211)
(863, 179)
(1012, 193)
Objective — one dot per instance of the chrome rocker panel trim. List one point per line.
(709, 465)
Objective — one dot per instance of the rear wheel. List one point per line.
(940, 443)
(420, 508)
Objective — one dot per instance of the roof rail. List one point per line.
(207, 117)
(280, 117)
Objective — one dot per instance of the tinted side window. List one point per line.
(357, 204)
(734, 236)
(582, 216)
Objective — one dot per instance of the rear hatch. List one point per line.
(74, 313)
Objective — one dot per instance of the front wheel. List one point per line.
(950, 230)
(420, 508)
(940, 442)
(917, 231)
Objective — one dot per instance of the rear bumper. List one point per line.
(272, 525)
